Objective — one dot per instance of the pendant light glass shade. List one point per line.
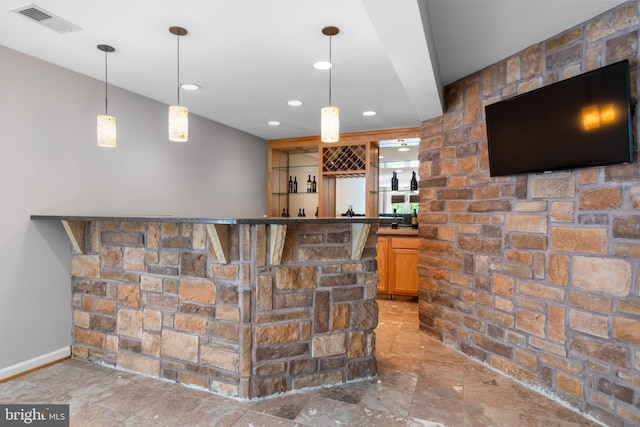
(330, 124)
(106, 124)
(178, 123)
(178, 115)
(330, 116)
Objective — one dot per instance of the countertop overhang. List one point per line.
(221, 221)
(218, 229)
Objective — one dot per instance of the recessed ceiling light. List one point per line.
(322, 65)
(295, 103)
(189, 86)
(369, 113)
(403, 147)
(273, 123)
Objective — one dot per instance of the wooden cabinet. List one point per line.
(397, 258)
(403, 266)
(382, 258)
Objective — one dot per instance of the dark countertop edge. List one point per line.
(263, 220)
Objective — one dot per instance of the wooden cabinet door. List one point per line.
(403, 266)
(382, 258)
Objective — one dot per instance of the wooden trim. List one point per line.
(296, 145)
(219, 241)
(359, 235)
(37, 368)
(75, 231)
(276, 246)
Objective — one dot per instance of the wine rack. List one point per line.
(347, 160)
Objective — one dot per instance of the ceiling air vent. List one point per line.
(43, 17)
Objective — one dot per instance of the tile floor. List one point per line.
(420, 383)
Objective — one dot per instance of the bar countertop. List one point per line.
(195, 220)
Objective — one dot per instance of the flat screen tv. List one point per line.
(582, 121)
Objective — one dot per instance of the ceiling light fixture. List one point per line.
(189, 86)
(369, 113)
(106, 124)
(403, 146)
(295, 103)
(273, 123)
(178, 115)
(330, 116)
(322, 65)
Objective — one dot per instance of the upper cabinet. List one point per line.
(344, 175)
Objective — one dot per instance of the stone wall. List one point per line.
(536, 275)
(153, 298)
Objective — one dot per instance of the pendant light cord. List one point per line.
(330, 67)
(178, 73)
(106, 102)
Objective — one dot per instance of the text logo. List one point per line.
(34, 415)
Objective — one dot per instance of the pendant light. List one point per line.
(330, 116)
(106, 124)
(178, 115)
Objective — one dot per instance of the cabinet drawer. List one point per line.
(405, 242)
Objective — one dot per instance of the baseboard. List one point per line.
(36, 363)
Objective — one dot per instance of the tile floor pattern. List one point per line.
(420, 383)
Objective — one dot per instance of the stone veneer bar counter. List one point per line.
(242, 307)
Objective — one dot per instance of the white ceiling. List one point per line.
(252, 56)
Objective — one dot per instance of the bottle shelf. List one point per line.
(385, 191)
(294, 194)
(406, 164)
(288, 168)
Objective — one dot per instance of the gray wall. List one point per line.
(50, 164)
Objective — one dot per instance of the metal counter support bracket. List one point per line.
(276, 243)
(359, 235)
(219, 240)
(75, 232)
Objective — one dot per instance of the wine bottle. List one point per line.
(414, 219)
(290, 184)
(309, 184)
(414, 182)
(300, 212)
(316, 212)
(314, 188)
(303, 214)
(295, 184)
(394, 182)
(349, 211)
(394, 223)
(284, 213)
(288, 215)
